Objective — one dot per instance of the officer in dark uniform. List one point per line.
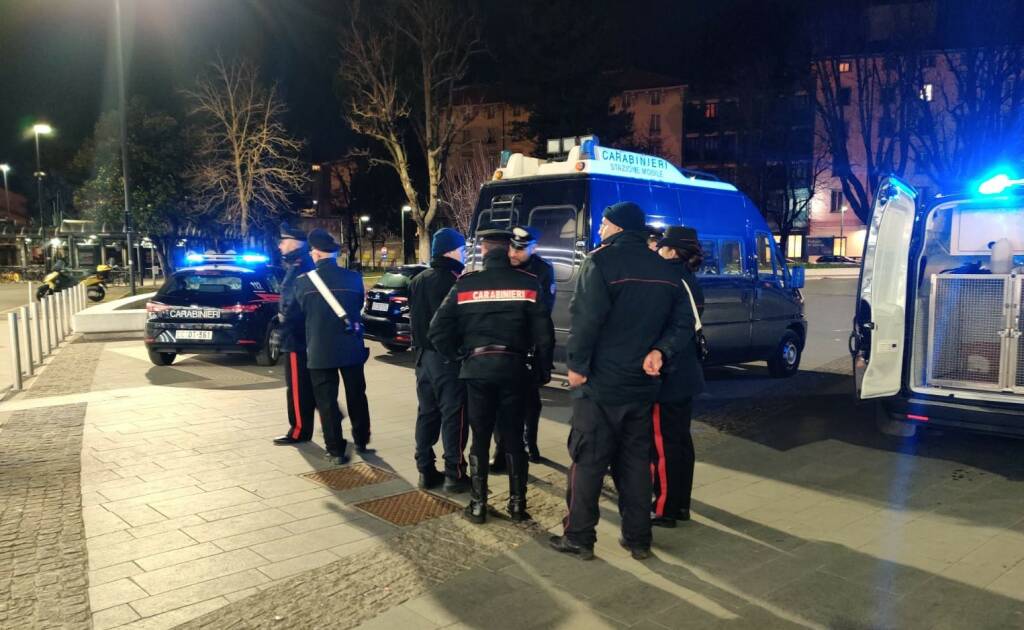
(334, 344)
(490, 320)
(291, 339)
(672, 458)
(523, 256)
(439, 392)
(630, 314)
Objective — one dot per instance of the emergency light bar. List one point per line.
(245, 259)
(997, 184)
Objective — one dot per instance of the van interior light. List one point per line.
(997, 184)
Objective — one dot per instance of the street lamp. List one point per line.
(7, 195)
(45, 130)
(405, 209)
(842, 226)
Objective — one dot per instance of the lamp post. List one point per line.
(405, 259)
(45, 130)
(123, 107)
(842, 226)
(7, 195)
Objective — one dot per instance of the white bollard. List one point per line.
(31, 295)
(12, 320)
(59, 300)
(25, 331)
(51, 322)
(36, 336)
(44, 319)
(67, 313)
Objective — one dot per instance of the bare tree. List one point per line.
(973, 119)
(246, 163)
(797, 183)
(461, 187)
(388, 98)
(866, 107)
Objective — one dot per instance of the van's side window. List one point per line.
(557, 241)
(732, 258)
(710, 265)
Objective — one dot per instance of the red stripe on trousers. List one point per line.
(297, 430)
(659, 446)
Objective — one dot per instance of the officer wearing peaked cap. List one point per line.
(522, 254)
(291, 339)
(489, 321)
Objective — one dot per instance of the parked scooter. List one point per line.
(96, 284)
(57, 280)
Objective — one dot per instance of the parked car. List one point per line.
(386, 313)
(224, 304)
(754, 308)
(837, 260)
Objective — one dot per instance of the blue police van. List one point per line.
(754, 308)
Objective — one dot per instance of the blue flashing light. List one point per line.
(253, 258)
(194, 258)
(997, 184)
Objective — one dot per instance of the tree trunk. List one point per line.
(422, 245)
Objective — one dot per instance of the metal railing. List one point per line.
(38, 328)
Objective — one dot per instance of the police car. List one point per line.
(219, 304)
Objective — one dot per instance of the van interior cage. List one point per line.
(975, 334)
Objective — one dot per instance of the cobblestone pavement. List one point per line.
(71, 371)
(43, 565)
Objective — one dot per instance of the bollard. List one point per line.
(31, 295)
(67, 314)
(25, 328)
(37, 328)
(51, 322)
(71, 312)
(12, 320)
(44, 310)
(59, 320)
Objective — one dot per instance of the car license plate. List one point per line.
(379, 306)
(193, 335)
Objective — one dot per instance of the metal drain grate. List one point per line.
(409, 508)
(351, 476)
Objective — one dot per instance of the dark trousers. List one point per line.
(493, 405)
(533, 408)
(609, 435)
(441, 412)
(672, 457)
(325, 391)
(299, 390)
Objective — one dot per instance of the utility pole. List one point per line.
(122, 105)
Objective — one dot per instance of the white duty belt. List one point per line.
(332, 301)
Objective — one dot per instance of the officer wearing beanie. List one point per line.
(490, 320)
(441, 396)
(522, 254)
(291, 338)
(630, 314)
(334, 343)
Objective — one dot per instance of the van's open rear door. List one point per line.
(879, 326)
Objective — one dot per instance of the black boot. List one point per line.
(476, 511)
(518, 468)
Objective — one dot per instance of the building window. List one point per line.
(656, 97)
(926, 92)
(490, 112)
(711, 110)
(845, 96)
(844, 66)
(655, 124)
(836, 204)
(692, 148)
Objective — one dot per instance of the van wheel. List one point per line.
(785, 361)
(892, 427)
(161, 358)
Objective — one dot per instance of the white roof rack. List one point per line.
(592, 159)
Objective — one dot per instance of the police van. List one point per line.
(754, 309)
(937, 332)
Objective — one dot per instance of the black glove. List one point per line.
(542, 377)
(351, 327)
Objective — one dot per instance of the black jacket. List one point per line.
(545, 278)
(426, 292)
(683, 376)
(293, 334)
(499, 306)
(628, 301)
(327, 343)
